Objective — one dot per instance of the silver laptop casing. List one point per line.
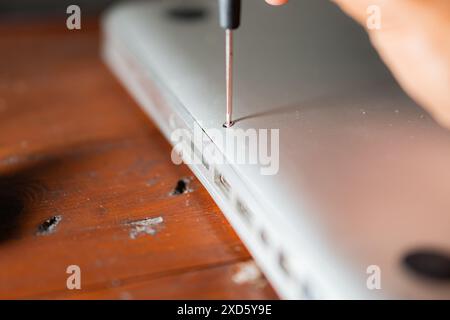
(364, 173)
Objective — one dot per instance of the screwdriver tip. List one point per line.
(228, 124)
(229, 77)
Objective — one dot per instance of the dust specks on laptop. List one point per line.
(248, 273)
(147, 226)
(48, 226)
(183, 186)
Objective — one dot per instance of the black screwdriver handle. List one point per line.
(230, 14)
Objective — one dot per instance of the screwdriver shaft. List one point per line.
(229, 76)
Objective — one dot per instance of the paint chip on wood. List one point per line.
(149, 226)
(48, 226)
(249, 273)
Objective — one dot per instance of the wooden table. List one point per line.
(81, 169)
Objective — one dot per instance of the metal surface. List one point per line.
(364, 174)
(229, 76)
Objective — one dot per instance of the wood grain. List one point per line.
(73, 144)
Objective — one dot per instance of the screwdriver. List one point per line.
(230, 19)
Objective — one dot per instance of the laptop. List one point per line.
(335, 180)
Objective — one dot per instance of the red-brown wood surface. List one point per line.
(74, 144)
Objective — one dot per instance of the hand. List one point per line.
(277, 2)
(414, 42)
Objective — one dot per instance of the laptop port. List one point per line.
(198, 156)
(306, 291)
(205, 163)
(223, 184)
(282, 262)
(264, 238)
(243, 211)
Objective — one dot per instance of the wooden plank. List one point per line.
(74, 145)
(214, 282)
